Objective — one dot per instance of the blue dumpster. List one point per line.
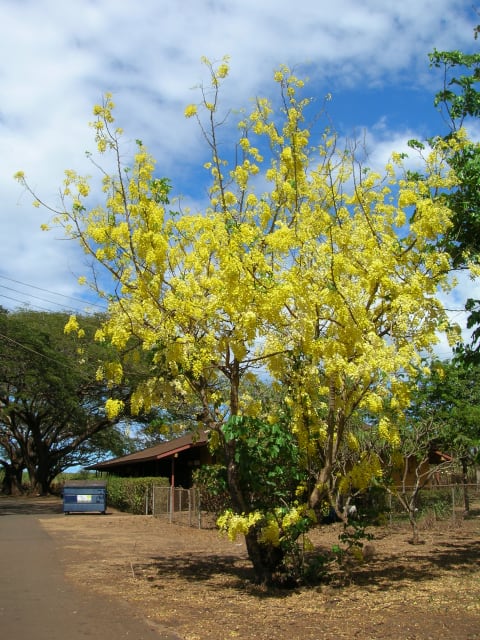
(83, 496)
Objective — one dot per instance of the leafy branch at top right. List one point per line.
(459, 104)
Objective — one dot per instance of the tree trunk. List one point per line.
(413, 524)
(320, 490)
(12, 480)
(335, 433)
(267, 560)
(412, 513)
(40, 481)
(40, 467)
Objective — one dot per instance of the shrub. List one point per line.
(438, 501)
(131, 494)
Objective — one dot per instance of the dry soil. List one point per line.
(197, 583)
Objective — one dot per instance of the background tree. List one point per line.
(414, 465)
(51, 405)
(306, 266)
(459, 103)
(449, 399)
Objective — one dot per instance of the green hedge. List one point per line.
(131, 494)
(211, 482)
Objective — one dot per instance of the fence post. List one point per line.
(189, 497)
(198, 497)
(453, 502)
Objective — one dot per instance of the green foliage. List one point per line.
(82, 474)
(354, 534)
(470, 353)
(459, 101)
(160, 189)
(316, 568)
(450, 398)
(269, 471)
(436, 501)
(459, 97)
(373, 505)
(351, 540)
(131, 494)
(211, 481)
(294, 543)
(463, 239)
(267, 457)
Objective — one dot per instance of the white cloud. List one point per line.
(60, 57)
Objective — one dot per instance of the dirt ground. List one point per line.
(197, 583)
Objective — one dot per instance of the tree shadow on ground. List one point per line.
(25, 506)
(386, 572)
(198, 567)
(389, 572)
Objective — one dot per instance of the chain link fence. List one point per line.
(181, 506)
(441, 502)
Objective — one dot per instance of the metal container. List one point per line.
(83, 496)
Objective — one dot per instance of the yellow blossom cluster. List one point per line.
(113, 408)
(363, 473)
(73, 326)
(273, 527)
(238, 524)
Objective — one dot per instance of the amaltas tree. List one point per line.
(305, 266)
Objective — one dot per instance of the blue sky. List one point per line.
(59, 58)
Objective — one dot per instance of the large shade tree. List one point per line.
(305, 265)
(51, 405)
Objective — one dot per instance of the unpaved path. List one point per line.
(37, 602)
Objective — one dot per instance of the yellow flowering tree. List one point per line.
(305, 265)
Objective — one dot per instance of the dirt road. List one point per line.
(37, 602)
